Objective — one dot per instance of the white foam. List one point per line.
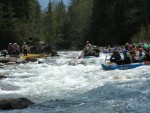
(42, 81)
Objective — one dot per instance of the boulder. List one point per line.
(4, 60)
(31, 59)
(40, 62)
(10, 63)
(54, 53)
(14, 103)
(2, 76)
(49, 50)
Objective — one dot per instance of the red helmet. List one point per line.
(130, 47)
(140, 49)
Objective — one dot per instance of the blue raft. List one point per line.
(121, 67)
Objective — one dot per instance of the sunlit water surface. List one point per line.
(65, 84)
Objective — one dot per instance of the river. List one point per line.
(80, 87)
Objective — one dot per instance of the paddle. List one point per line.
(81, 55)
(106, 57)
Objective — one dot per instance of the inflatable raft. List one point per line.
(35, 56)
(121, 67)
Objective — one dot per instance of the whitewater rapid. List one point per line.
(57, 79)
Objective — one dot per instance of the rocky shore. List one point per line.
(14, 103)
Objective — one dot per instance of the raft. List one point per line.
(121, 67)
(35, 56)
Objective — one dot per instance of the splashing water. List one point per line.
(84, 87)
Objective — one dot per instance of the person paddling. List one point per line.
(132, 51)
(127, 59)
(87, 48)
(140, 56)
(115, 56)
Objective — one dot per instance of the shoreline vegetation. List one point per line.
(69, 27)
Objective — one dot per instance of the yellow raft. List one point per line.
(35, 56)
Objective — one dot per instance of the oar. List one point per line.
(80, 56)
(106, 57)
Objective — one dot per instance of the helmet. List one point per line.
(114, 49)
(130, 47)
(146, 46)
(124, 51)
(140, 49)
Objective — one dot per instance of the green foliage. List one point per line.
(116, 21)
(50, 24)
(19, 20)
(7, 23)
(143, 35)
(102, 22)
(79, 20)
(55, 24)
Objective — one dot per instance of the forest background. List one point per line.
(102, 22)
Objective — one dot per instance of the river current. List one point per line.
(65, 84)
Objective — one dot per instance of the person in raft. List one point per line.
(87, 47)
(140, 56)
(115, 56)
(86, 50)
(127, 59)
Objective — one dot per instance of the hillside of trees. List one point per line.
(102, 22)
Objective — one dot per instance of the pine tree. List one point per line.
(79, 19)
(50, 25)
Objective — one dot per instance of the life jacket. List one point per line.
(88, 47)
(132, 53)
(127, 56)
(140, 55)
(25, 47)
(115, 56)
